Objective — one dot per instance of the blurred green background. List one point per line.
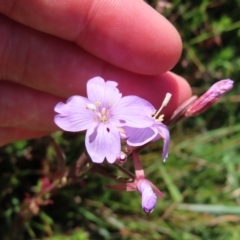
(200, 180)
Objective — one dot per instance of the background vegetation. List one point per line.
(201, 179)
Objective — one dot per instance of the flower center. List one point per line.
(102, 114)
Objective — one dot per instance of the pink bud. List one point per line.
(121, 157)
(149, 198)
(210, 97)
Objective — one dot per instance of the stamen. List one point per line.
(164, 104)
(160, 118)
(97, 104)
(104, 110)
(91, 106)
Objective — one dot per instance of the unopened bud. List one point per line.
(149, 198)
(210, 97)
(122, 157)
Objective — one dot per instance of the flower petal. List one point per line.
(73, 116)
(140, 136)
(106, 93)
(133, 111)
(164, 132)
(103, 141)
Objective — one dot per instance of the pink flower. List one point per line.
(103, 114)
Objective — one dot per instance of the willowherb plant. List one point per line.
(112, 122)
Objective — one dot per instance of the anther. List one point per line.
(104, 110)
(91, 106)
(97, 104)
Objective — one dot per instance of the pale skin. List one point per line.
(49, 49)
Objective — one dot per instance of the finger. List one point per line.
(59, 67)
(8, 135)
(127, 34)
(44, 62)
(24, 107)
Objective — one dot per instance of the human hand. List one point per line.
(49, 50)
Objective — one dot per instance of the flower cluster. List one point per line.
(111, 119)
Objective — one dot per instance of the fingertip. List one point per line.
(144, 42)
(184, 89)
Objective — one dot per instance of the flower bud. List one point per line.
(121, 157)
(210, 97)
(149, 198)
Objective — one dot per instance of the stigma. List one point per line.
(156, 116)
